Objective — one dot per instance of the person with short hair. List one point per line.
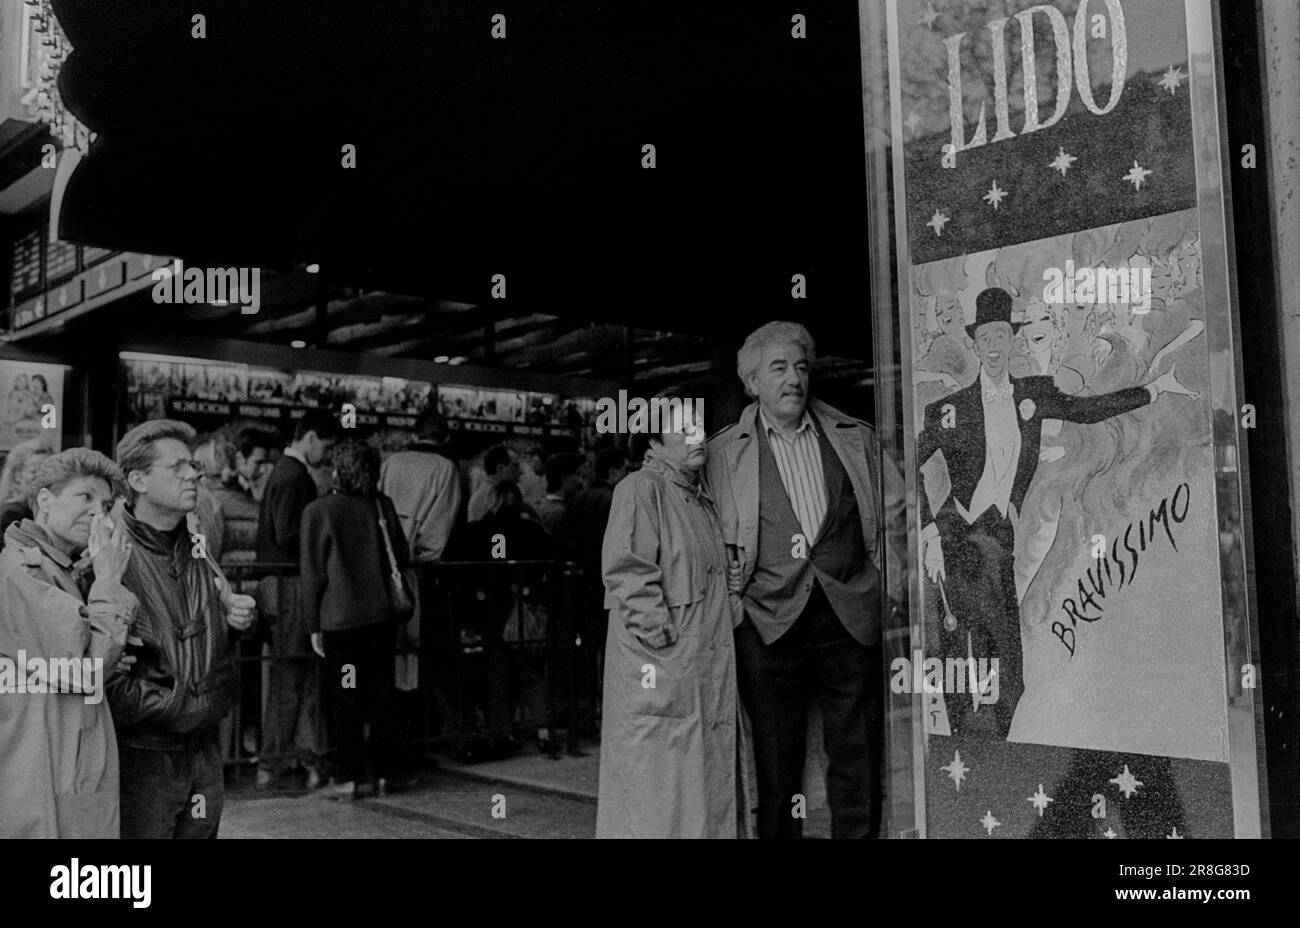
(499, 465)
(564, 479)
(800, 487)
(62, 598)
(424, 485)
(244, 455)
(292, 715)
(20, 466)
(167, 706)
(348, 612)
(505, 596)
(582, 532)
(668, 748)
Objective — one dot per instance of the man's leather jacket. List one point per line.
(183, 682)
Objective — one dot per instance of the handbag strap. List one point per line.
(388, 542)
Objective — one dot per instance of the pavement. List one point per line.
(523, 796)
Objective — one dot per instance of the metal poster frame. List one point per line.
(891, 311)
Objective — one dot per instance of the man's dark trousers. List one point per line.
(816, 659)
(980, 586)
(173, 794)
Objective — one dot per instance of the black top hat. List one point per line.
(992, 305)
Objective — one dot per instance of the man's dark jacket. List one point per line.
(288, 491)
(183, 681)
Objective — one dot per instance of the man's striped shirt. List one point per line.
(799, 462)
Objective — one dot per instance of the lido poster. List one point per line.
(1065, 334)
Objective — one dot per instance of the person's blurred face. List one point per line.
(993, 345)
(573, 484)
(781, 382)
(676, 445)
(28, 471)
(67, 514)
(316, 451)
(172, 481)
(511, 471)
(253, 467)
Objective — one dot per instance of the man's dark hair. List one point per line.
(497, 457)
(320, 421)
(430, 425)
(251, 439)
(561, 466)
(607, 460)
(507, 500)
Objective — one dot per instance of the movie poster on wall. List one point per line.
(1059, 380)
(28, 394)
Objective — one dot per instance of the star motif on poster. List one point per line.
(1175, 835)
(1110, 833)
(937, 222)
(912, 121)
(1136, 175)
(1040, 800)
(956, 770)
(989, 822)
(994, 196)
(1126, 782)
(1173, 77)
(928, 16)
(1062, 161)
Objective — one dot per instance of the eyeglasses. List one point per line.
(196, 467)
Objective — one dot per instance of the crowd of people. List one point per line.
(726, 588)
(188, 551)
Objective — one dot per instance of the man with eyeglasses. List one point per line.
(168, 704)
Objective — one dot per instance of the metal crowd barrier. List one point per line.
(496, 629)
(493, 636)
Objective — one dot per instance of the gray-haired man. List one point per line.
(798, 488)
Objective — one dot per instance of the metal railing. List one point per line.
(494, 637)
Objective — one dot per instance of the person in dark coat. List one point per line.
(582, 532)
(348, 610)
(168, 704)
(293, 698)
(501, 594)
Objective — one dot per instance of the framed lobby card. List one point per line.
(1058, 378)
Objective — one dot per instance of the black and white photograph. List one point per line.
(861, 419)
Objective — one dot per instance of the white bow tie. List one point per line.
(993, 394)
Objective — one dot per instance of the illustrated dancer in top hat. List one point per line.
(989, 434)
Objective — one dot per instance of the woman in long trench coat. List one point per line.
(671, 728)
(58, 749)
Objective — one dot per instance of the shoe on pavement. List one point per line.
(334, 790)
(314, 779)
